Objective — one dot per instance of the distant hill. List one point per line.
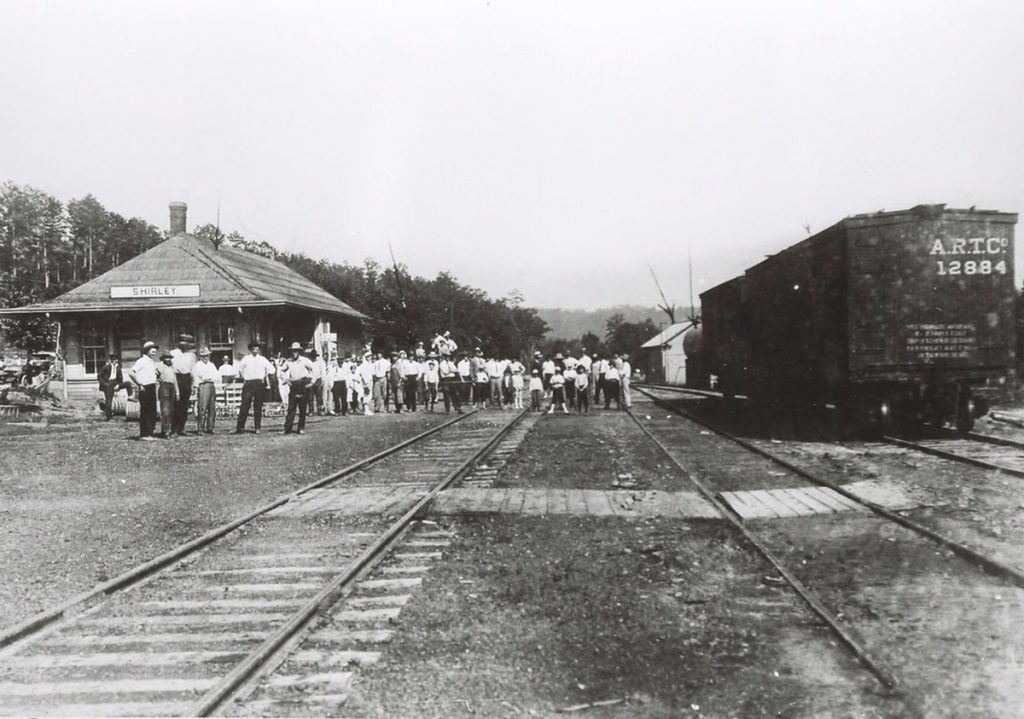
(571, 324)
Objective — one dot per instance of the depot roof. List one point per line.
(187, 272)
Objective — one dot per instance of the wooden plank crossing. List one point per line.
(805, 501)
(592, 502)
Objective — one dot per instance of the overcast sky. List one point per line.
(556, 148)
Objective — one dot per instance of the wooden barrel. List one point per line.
(131, 409)
(117, 405)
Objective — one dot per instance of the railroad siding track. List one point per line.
(875, 588)
(977, 450)
(156, 650)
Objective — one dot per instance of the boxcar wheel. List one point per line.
(965, 414)
(883, 417)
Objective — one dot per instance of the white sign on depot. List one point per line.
(153, 291)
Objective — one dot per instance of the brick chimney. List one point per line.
(178, 212)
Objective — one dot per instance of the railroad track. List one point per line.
(834, 501)
(295, 586)
(979, 450)
(678, 389)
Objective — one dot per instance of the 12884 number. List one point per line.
(971, 267)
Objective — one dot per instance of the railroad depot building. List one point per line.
(223, 296)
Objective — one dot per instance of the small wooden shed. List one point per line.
(662, 357)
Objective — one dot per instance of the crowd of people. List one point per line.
(366, 383)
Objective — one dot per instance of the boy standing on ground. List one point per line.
(536, 390)
(557, 385)
(582, 391)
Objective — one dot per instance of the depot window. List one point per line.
(94, 347)
(222, 334)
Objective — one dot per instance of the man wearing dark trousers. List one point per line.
(111, 379)
(298, 372)
(255, 371)
(183, 360)
(143, 374)
(449, 374)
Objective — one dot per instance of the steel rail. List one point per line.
(962, 458)
(883, 674)
(83, 601)
(992, 439)
(675, 388)
(336, 588)
(992, 566)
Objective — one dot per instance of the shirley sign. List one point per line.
(153, 291)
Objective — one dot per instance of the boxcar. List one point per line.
(897, 317)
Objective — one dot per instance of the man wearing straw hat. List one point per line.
(297, 371)
(143, 375)
(205, 377)
(167, 394)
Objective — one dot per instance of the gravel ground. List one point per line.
(595, 451)
(81, 501)
(528, 615)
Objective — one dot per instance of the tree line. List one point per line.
(620, 337)
(407, 308)
(48, 247)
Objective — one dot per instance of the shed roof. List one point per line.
(227, 277)
(667, 335)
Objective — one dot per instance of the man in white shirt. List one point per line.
(395, 387)
(228, 372)
(381, 366)
(365, 383)
(342, 385)
(584, 360)
(183, 359)
(448, 374)
(611, 386)
(297, 371)
(316, 392)
(597, 372)
(627, 373)
(205, 377)
(411, 373)
(255, 371)
(493, 369)
(143, 376)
